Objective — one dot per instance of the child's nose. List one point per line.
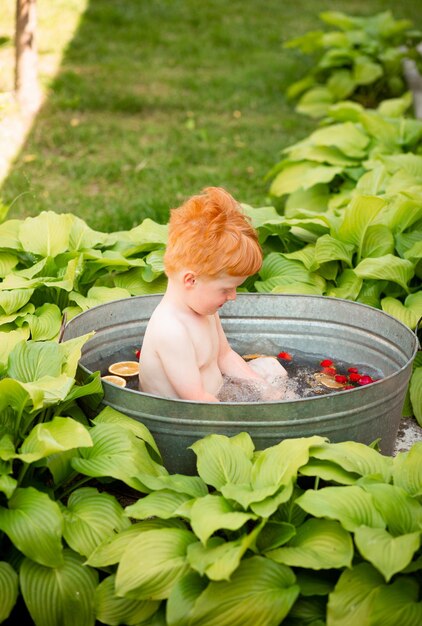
(231, 295)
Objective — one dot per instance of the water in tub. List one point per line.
(294, 373)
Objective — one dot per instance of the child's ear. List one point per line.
(189, 279)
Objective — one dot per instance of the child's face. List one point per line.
(209, 294)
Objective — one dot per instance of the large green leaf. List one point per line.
(220, 460)
(9, 339)
(401, 512)
(34, 525)
(218, 559)
(116, 453)
(278, 465)
(403, 213)
(317, 544)
(47, 234)
(14, 394)
(365, 71)
(359, 215)
(378, 241)
(9, 235)
(45, 323)
(111, 550)
(70, 352)
(259, 592)
(108, 415)
(388, 554)
(62, 595)
(134, 283)
(321, 154)
(398, 309)
(388, 267)
(90, 517)
(284, 270)
(416, 394)
(149, 235)
(30, 361)
(192, 486)
(183, 597)
(59, 435)
(346, 137)
(11, 301)
(348, 286)
(163, 504)
(8, 484)
(302, 175)
(356, 458)
(53, 389)
(397, 603)
(351, 506)
(82, 237)
(9, 589)
(407, 470)
(114, 610)
(352, 600)
(328, 248)
(212, 513)
(98, 295)
(164, 553)
(328, 471)
(19, 317)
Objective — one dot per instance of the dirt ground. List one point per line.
(409, 433)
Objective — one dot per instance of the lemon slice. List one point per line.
(116, 380)
(124, 368)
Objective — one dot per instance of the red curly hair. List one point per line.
(210, 235)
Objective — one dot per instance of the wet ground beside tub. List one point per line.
(409, 433)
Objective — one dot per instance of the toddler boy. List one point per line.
(212, 248)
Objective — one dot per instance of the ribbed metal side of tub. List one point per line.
(265, 323)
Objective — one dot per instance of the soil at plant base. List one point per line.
(409, 433)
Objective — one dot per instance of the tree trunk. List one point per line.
(27, 87)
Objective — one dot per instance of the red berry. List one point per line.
(339, 378)
(285, 355)
(348, 387)
(355, 378)
(353, 370)
(326, 363)
(330, 371)
(138, 354)
(365, 380)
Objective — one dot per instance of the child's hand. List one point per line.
(268, 368)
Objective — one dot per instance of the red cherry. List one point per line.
(339, 378)
(365, 380)
(326, 363)
(355, 378)
(285, 355)
(353, 370)
(330, 371)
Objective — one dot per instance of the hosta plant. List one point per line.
(361, 60)
(54, 510)
(302, 532)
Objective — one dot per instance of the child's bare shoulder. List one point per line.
(167, 324)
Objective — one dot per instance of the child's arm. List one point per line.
(229, 362)
(176, 349)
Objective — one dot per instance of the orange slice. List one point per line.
(124, 368)
(116, 380)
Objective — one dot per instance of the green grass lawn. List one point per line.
(156, 99)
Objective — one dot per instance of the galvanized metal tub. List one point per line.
(264, 323)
